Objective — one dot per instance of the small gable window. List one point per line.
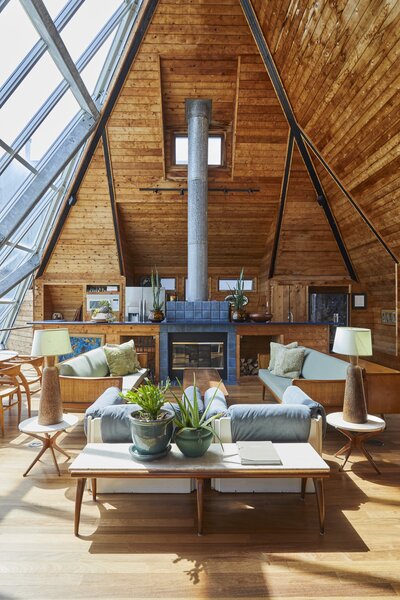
(215, 150)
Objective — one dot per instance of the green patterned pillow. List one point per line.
(288, 362)
(122, 359)
(274, 350)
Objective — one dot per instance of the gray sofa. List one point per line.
(84, 378)
(297, 419)
(322, 378)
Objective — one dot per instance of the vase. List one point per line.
(193, 442)
(239, 314)
(156, 316)
(151, 438)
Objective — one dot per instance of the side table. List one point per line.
(357, 434)
(47, 434)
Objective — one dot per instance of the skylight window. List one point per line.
(215, 150)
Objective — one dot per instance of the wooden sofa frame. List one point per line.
(78, 393)
(382, 389)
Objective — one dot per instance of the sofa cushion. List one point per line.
(317, 365)
(218, 404)
(276, 384)
(133, 380)
(273, 422)
(122, 359)
(115, 423)
(274, 349)
(295, 395)
(288, 362)
(89, 364)
(110, 397)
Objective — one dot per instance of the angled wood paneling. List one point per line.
(87, 246)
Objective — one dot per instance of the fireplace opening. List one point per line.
(197, 351)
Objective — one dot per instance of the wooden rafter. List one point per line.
(272, 71)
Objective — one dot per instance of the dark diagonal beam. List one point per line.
(285, 184)
(111, 191)
(272, 71)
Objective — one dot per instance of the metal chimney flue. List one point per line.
(198, 116)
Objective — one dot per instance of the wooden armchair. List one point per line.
(9, 387)
(30, 376)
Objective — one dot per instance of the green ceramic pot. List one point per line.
(151, 437)
(193, 442)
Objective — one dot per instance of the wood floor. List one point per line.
(145, 546)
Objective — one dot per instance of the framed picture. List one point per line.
(83, 342)
(388, 317)
(358, 301)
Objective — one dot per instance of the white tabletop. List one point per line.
(32, 426)
(373, 423)
(116, 457)
(6, 355)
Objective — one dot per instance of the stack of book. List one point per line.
(258, 453)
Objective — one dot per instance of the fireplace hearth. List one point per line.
(200, 350)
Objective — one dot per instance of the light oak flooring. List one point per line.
(145, 546)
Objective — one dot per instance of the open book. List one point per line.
(258, 453)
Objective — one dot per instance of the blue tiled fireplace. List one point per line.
(198, 318)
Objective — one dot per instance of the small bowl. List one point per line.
(260, 317)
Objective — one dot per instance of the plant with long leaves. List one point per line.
(156, 287)
(237, 298)
(151, 398)
(189, 416)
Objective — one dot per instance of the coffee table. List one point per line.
(357, 434)
(114, 461)
(205, 379)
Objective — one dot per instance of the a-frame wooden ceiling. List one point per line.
(337, 64)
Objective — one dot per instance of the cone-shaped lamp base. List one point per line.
(50, 407)
(354, 404)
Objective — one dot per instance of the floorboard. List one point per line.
(146, 547)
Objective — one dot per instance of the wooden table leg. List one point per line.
(35, 460)
(319, 493)
(303, 487)
(200, 489)
(369, 457)
(80, 486)
(94, 489)
(50, 442)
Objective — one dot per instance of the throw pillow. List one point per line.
(274, 349)
(288, 362)
(122, 359)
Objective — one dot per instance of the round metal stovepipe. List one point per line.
(198, 115)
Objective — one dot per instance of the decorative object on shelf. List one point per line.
(156, 314)
(194, 432)
(261, 317)
(358, 301)
(145, 281)
(81, 343)
(50, 343)
(355, 342)
(103, 313)
(57, 316)
(388, 317)
(152, 425)
(238, 300)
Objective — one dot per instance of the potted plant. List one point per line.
(152, 425)
(193, 433)
(238, 300)
(156, 314)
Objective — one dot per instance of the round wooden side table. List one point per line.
(357, 434)
(47, 434)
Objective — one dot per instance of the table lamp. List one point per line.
(355, 342)
(50, 343)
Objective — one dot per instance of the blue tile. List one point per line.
(180, 305)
